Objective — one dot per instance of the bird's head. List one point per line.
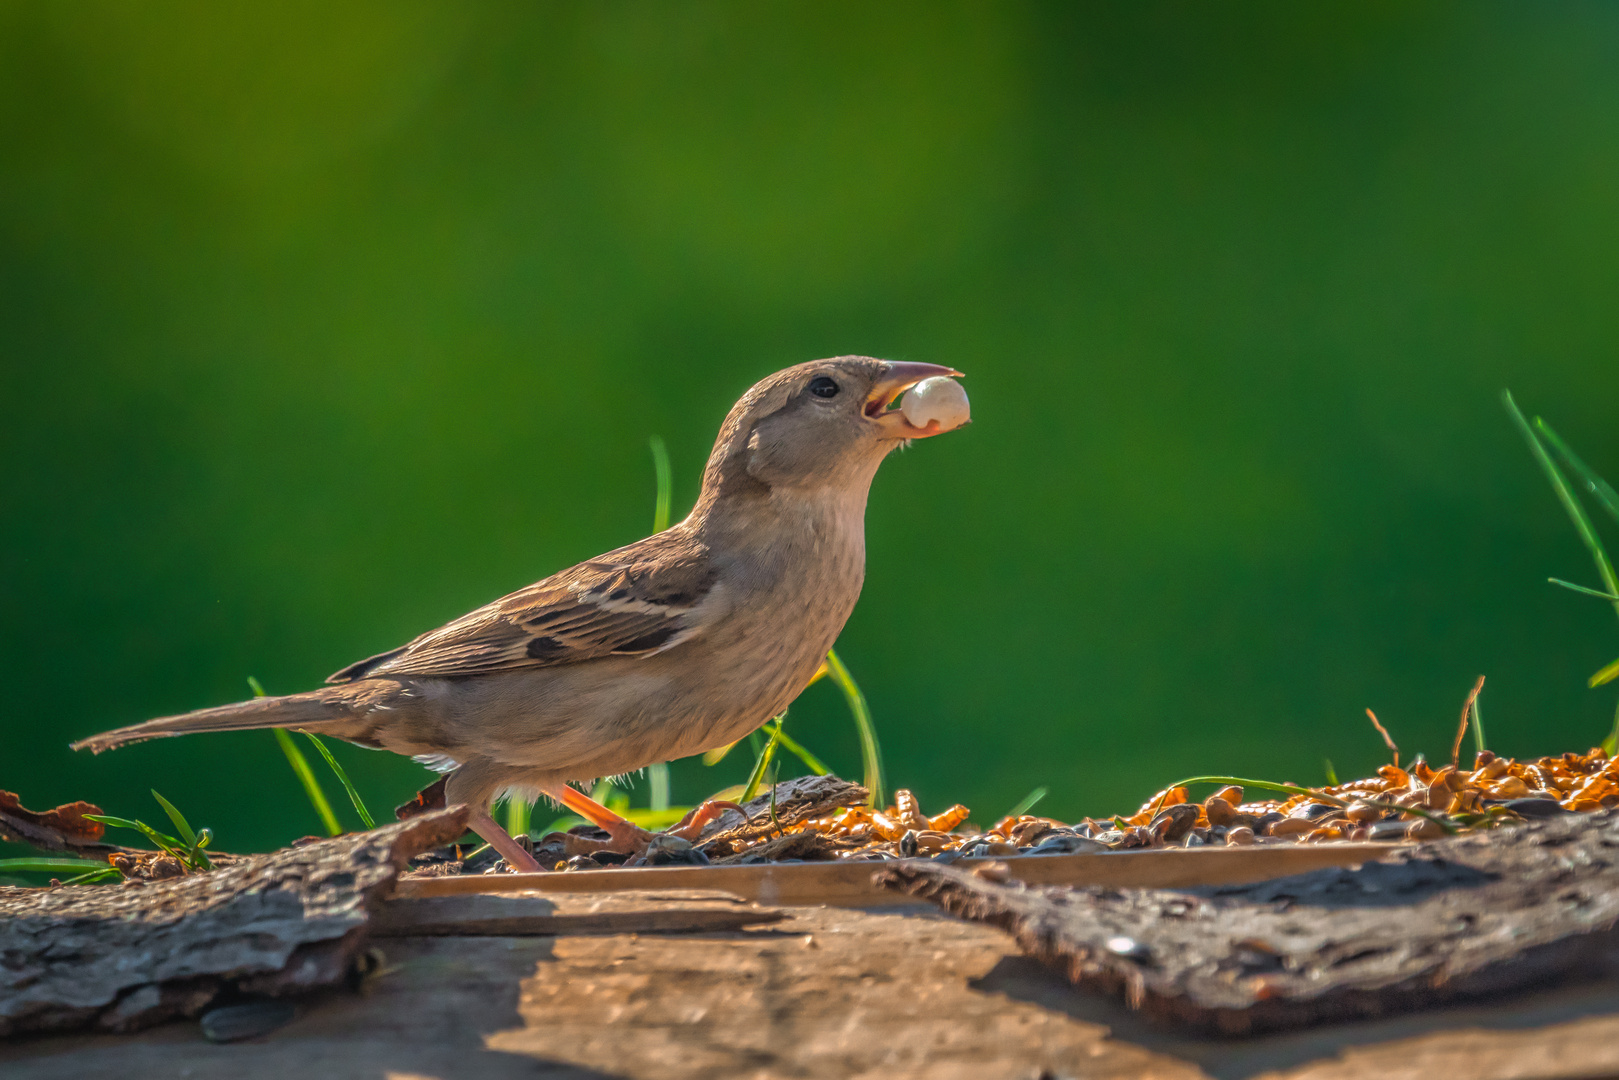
(828, 423)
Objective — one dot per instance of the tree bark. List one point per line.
(1451, 919)
(124, 957)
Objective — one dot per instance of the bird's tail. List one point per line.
(313, 709)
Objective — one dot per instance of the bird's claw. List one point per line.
(626, 838)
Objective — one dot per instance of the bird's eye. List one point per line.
(823, 387)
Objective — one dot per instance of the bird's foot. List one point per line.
(517, 857)
(628, 838)
(701, 817)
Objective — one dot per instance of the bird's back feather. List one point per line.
(635, 601)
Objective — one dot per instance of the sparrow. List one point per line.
(676, 644)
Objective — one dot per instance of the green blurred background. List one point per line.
(322, 324)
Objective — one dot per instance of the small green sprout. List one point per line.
(188, 847)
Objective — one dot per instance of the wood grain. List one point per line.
(532, 913)
(849, 884)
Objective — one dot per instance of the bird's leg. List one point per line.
(623, 836)
(479, 821)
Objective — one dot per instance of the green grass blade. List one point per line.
(306, 776)
(1332, 774)
(647, 819)
(657, 819)
(342, 778)
(717, 755)
(660, 471)
(609, 796)
(31, 865)
(165, 842)
(658, 784)
(775, 778)
(757, 776)
(518, 817)
(1478, 729)
(561, 824)
(95, 877)
(1582, 589)
(1594, 484)
(811, 762)
(1565, 495)
(1606, 675)
(118, 822)
(1601, 491)
(178, 818)
(1026, 803)
(871, 753)
(658, 775)
(301, 769)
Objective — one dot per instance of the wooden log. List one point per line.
(535, 914)
(1452, 919)
(849, 883)
(123, 957)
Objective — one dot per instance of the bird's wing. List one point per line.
(635, 601)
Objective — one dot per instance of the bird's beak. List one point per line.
(897, 378)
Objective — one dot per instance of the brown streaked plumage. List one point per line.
(673, 645)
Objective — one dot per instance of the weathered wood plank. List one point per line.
(829, 993)
(524, 914)
(849, 883)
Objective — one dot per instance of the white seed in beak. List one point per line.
(940, 398)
